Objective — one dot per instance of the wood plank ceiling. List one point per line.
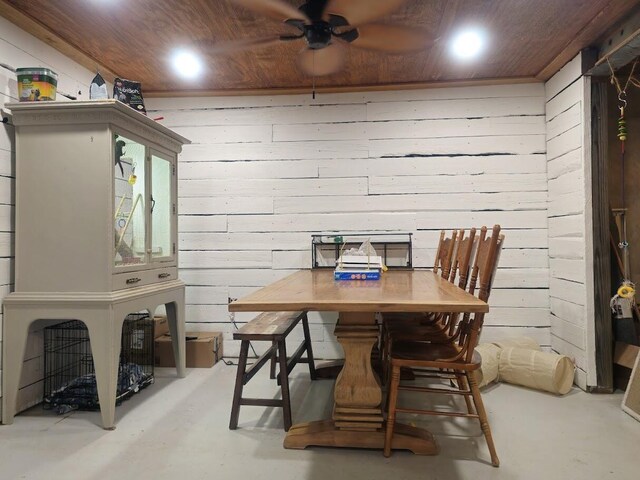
(134, 39)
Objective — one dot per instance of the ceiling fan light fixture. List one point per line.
(468, 44)
(186, 64)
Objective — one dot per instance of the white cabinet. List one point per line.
(96, 230)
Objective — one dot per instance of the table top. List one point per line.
(396, 291)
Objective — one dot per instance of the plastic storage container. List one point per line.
(36, 84)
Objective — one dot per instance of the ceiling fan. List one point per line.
(327, 27)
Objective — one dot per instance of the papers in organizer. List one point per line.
(360, 262)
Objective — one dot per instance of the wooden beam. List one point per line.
(601, 243)
(619, 47)
(618, 58)
(588, 58)
(342, 89)
(40, 31)
(596, 28)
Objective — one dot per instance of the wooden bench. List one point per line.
(271, 327)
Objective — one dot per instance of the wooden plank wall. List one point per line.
(265, 172)
(19, 49)
(567, 108)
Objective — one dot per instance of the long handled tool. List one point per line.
(623, 302)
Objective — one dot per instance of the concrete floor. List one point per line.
(178, 429)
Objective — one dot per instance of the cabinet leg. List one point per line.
(14, 342)
(175, 318)
(105, 334)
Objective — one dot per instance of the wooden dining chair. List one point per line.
(446, 254)
(459, 267)
(447, 264)
(430, 324)
(452, 360)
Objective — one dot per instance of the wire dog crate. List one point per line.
(70, 381)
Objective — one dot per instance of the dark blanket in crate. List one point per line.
(82, 392)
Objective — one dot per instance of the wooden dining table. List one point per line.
(357, 419)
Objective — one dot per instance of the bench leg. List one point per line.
(307, 341)
(274, 359)
(237, 392)
(284, 384)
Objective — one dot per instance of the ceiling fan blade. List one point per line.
(322, 61)
(391, 38)
(359, 12)
(276, 9)
(209, 46)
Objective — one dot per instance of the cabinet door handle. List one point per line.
(164, 275)
(133, 280)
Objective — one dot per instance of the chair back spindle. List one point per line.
(445, 253)
(437, 261)
(462, 259)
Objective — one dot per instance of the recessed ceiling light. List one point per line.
(468, 44)
(186, 64)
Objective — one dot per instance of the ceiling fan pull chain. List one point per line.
(313, 78)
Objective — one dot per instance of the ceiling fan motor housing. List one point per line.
(318, 34)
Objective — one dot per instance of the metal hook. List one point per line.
(622, 99)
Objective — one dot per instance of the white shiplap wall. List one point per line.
(265, 172)
(571, 276)
(19, 49)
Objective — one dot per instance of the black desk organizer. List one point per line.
(394, 248)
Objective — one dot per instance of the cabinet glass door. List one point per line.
(161, 207)
(129, 202)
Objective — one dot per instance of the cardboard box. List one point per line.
(204, 349)
(160, 326)
(625, 354)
